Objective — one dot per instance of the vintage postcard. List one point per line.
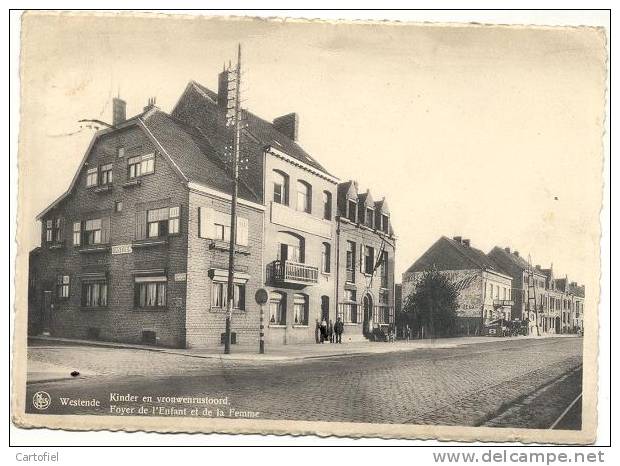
(349, 228)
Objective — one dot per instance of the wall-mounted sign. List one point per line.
(122, 249)
(180, 277)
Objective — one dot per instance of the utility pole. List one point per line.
(531, 293)
(234, 121)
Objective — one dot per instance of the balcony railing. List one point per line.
(294, 272)
(503, 302)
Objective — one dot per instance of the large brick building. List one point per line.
(136, 249)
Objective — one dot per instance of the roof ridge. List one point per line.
(471, 259)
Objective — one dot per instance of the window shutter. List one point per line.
(205, 222)
(242, 231)
(105, 230)
(141, 225)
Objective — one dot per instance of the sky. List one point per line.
(489, 133)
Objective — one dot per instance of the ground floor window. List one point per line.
(349, 307)
(277, 308)
(95, 294)
(150, 292)
(62, 287)
(383, 314)
(300, 309)
(219, 295)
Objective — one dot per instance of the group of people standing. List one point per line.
(329, 331)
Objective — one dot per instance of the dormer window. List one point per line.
(385, 223)
(370, 217)
(352, 211)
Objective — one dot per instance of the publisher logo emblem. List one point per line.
(41, 400)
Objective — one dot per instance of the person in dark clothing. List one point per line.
(338, 330)
(323, 331)
(317, 330)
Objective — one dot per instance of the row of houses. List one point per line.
(136, 250)
(500, 285)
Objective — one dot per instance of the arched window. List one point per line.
(327, 205)
(326, 258)
(290, 247)
(280, 187)
(277, 308)
(304, 197)
(300, 309)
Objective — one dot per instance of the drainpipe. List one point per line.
(337, 265)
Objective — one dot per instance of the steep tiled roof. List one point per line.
(192, 153)
(516, 260)
(578, 290)
(265, 132)
(448, 254)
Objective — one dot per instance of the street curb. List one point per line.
(264, 359)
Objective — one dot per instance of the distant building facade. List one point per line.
(551, 305)
(529, 283)
(485, 293)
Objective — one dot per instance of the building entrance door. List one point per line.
(367, 306)
(325, 308)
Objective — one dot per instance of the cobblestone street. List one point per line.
(464, 385)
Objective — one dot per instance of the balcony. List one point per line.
(350, 278)
(502, 302)
(294, 273)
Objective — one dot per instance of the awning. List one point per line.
(221, 275)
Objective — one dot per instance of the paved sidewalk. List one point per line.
(300, 351)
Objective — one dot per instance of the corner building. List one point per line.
(136, 249)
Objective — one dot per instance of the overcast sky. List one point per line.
(490, 133)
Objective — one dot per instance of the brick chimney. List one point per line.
(119, 111)
(288, 125)
(466, 242)
(507, 250)
(458, 239)
(150, 104)
(516, 253)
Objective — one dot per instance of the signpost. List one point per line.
(261, 296)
